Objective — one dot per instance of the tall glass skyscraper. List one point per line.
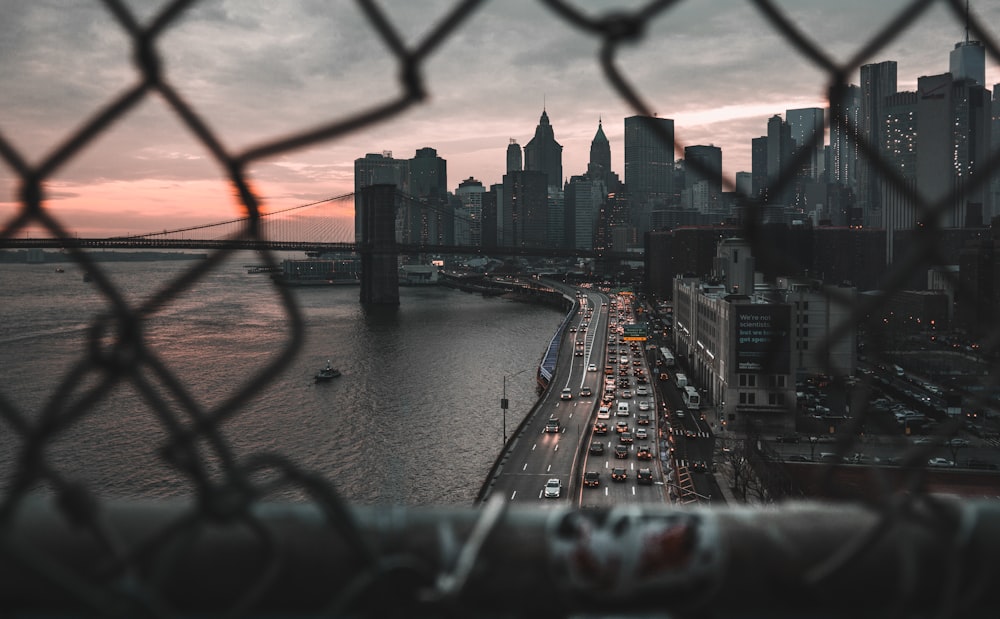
(649, 166)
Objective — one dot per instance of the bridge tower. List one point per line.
(377, 246)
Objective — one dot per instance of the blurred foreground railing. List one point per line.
(930, 557)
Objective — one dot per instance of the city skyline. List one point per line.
(255, 75)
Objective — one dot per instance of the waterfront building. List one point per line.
(525, 206)
(491, 218)
(377, 169)
(469, 220)
(427, 216)
(543, 154)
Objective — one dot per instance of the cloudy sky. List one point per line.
(255, 71)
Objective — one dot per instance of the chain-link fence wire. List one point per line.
(130, 570)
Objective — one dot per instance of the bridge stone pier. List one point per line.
(377, 246)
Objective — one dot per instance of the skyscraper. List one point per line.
(967, 60)
(469, 223)
(543, 154)
(600, 152)
(427, 219)
(703, 163)
(878, 81)
(779, 153)
(649, 166)
(953, 142)
(525, 209)
(899, 147)
(377, 169)
(758, 166)
(808, 129)
(514, 156)
(845, 108)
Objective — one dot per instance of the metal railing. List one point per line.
(914, 554)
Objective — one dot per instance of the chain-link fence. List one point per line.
(908, 554)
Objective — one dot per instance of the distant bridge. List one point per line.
(316, 227)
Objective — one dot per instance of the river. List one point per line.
(414, 419)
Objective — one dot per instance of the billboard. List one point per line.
(635, 331)
(763, 338)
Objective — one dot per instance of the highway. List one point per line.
(534, 455)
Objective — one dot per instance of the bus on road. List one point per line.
(692, 399)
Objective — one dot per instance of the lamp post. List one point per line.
(504, 403)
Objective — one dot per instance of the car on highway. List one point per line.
(553, 488)
(644, 476)
(940, 462)
(604, 412)
(644, 452)
(641, 390)
(596, 448)
(619, 473)
(643, 405)
(585, 392)
(625, 437)
(552, 425)
(621, 451)
(643, 419)
(626, 394)
(621, 426)
(591, 479)
(641, 434)
(601, 427)
(567, 394)
(592, 367)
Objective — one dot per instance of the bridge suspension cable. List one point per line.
(241, 220)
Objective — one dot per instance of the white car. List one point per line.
(643, 405)
(604, 412)
(592, 367)
(567, 394)
(940, 462)
(553, 488)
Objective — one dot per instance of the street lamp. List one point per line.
(504, 403)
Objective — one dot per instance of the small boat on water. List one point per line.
(327, 373)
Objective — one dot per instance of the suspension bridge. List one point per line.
(325, 226)
(319, 226)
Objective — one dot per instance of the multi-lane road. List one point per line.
(593, 357)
